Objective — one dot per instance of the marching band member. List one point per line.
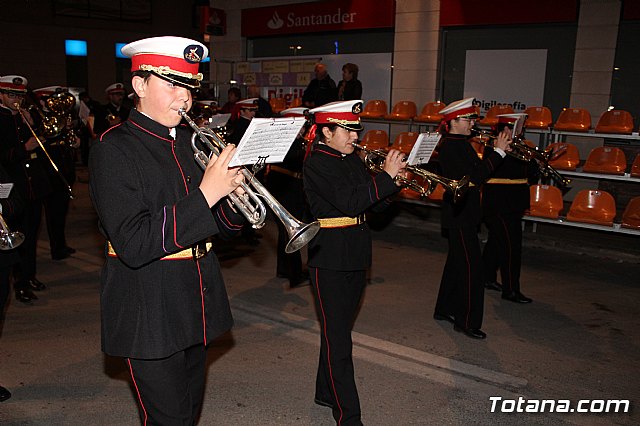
(339, 191)
(285, 183)
(505, 197)
(461, 294)
(24, 161)
(113, 112)
(163, 299)
(61, 150)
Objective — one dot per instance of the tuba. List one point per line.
(524, 152)
(374, 158)
(9, 240)
(250, 204)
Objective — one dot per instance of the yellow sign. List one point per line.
(275, 79)
(303, 79)
(249, 78)
(309, 65)
(242, 67)
(275, 66)
(296, 66)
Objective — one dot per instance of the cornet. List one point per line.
(9, 240)
(457, 188)
(250, 204)
(522, 151)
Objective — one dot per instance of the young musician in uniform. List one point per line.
(25, 162)
(113, 112)
(461, 294)
(505, 197)
(340, 190)
(163, 299)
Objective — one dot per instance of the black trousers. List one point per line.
(56, 207)
(26, 268)
(5, 271)
(461, 291)
(337, 296)
(503, 250)
(170, 390)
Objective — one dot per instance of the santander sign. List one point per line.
(322, 16)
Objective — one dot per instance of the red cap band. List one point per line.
(455, 114)
(12, 86)
(173, 63)
(334, 117)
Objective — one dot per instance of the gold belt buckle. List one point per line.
(197, 252)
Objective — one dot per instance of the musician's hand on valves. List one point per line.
(503, 141)
(394, 162)
(219, 180)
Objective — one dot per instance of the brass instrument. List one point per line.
(524, 152)
(9, 240)
(55, 167)
(456, 187)
(250, 204)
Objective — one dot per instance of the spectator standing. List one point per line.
(349, 87)
(321, 90)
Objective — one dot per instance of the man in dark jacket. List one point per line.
(321, 90)
(162, 295)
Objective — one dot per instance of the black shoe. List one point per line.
(69, 250)
(475, 333)
(36, 285)
(323, 402)
(4, 394)
(517, 297)
(25, 296)
(60, 256)
(492, 285)
(443, 317)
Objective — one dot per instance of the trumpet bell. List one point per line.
(10, 240)
(300, 234)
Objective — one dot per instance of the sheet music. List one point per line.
(517, 126)
(423, 148)
(218, 120)
(267, 140)
(5, 190)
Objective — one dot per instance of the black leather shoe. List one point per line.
(69, 250)
(60, 256)
(25, 296)
(36, 285)
(516, 297)
(323, 402)
(475, 333)
(4, 394)
(443, 317)
(492, 285)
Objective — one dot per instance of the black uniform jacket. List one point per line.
(144, 186)
(457, 159)
(508, 198)
(27, 170)
(339, 186)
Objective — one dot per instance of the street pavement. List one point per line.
(578, 340)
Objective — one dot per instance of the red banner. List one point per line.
(336, 15)
(506, 12)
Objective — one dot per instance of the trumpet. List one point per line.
(456, 187)
(524, 152)
(250, 204)
(9, 240)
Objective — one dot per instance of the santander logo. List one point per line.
(275, 22)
